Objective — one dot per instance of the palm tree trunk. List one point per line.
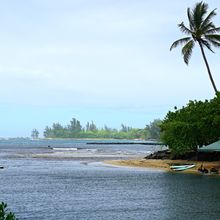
(208, 69)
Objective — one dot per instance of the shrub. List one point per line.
(5, 214)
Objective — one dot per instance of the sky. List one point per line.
(101, 60)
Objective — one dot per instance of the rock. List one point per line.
(164, 154)
(214, 170)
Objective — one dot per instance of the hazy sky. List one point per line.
(101, 60)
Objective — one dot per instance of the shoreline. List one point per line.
(164, 165)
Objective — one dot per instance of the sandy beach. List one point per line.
(163, 164)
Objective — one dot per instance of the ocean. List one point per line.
(68, 180)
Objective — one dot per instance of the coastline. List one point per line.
(163, 165)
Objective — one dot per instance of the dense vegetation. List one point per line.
(75, 130)
(192, 126)
(5, 214)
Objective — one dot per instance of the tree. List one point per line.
(75, 130)
(75, 125)
(48, 132)
(106, 128)
(91, 126)
(154, 129)
(201, 30)
(125, 128)
(58, 130)
(194, 125)
(35, 133)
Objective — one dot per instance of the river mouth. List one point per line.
(47, 184)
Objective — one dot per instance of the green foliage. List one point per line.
(35, 133)
(201, 31)
(75, 125)
(91, 126)
(154, 129)
(75, 130)
(4, 214)
(125, 128)
(192, 126)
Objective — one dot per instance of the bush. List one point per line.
(192, 126)
(4, 214)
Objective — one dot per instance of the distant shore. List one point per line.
(162, 164)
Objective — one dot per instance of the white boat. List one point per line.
(182, 167)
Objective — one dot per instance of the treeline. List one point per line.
(192, 126)
(75, 130)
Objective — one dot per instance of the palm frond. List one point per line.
(190, 18)
(207, 22)
(215, 43)
(213, 30)
(184, 29)
(209, 26)
(187, 51)
(179, 42)
(201, 30)
(206, 44)
(198, 14)
(214, 39)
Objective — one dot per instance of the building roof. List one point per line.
(214, 147)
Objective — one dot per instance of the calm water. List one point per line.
(49, 189)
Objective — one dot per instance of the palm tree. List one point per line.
(201, 30)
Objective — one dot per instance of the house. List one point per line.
(210, 152)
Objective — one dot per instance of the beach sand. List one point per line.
(163, 164)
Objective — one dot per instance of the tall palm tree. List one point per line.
(201, 30)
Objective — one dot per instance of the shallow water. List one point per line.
(25, 146)
(36, 188)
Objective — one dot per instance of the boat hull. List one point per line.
(182, 167)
